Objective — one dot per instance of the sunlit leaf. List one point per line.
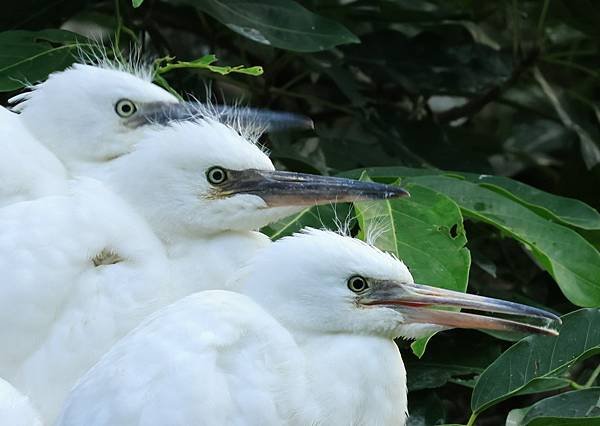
(560, 209)
(205, 63)
(567, 256)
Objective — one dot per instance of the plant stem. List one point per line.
(312, 99)
(542, 21)
(572, 65)
(117, 45)
(593, 377)
(472, 419)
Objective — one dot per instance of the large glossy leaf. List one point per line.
(576, 408)
(563, 210)
(538, 357)
(29, 56)
(560, 209)
(280, 23)
(569, 258)
(425, 231)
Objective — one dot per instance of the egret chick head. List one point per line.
(179, 179)
(322, 282)
(313, 282)
(201, 177)
(90, 114)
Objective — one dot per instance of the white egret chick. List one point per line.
(204, 188)
(15, 408)
(309, 342)
(88, 115)
(80, 270)
(77, 272)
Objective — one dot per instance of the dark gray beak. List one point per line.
(415, 301)
(165, 113)
(279, 188)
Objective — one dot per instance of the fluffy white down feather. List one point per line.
(64, 299)
(214, 357)
(295, 350)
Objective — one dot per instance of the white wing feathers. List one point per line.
(214, 356)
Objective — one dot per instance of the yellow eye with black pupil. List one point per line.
(357, 284)
(216, 175)
(125, 108)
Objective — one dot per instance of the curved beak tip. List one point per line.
(400, 192)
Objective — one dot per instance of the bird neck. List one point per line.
(364, 374)
(212, 262)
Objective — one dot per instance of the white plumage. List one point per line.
(80, 270)
(310, 341)
(15, 408)
(68, 125)
(28, 169)
(218, 358)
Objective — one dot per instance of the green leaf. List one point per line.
(538, 357)
(564, 210)
(577, 408)
(29, 56)
(280, 23)
(580, 407)
(560, 209)
(425, 231)
(568, 257)
(137, 3)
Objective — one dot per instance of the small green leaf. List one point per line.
(137, 3)
(279, 23)
(425, 231)
(538, 357)
(205, 60)
(576, 408)
(29, 56)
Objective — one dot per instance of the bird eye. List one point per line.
(125, 108)
(216, 175)
(357, 284)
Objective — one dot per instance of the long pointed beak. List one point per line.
(415, 301)
(279, 188)
(165, 113)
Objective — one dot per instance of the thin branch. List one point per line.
(476, 104)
